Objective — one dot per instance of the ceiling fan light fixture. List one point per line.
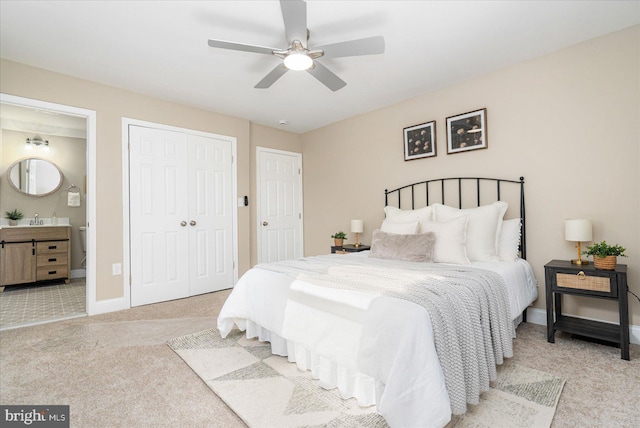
(298, 61)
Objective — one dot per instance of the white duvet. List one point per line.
(377, 349)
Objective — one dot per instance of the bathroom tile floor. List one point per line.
(22, 305)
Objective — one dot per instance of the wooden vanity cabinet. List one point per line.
(17, 263)
(32, 254)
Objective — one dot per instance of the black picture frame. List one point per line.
(467, 131)
(420, 141)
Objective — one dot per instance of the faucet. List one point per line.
(35, 219)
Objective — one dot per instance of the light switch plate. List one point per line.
(116, 269)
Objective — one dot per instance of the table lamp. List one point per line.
(357, 226)
(578, 230)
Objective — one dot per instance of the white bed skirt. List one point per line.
(350, 383)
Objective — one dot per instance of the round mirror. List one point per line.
(34, 177)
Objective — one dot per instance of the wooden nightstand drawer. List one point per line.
(581, 281)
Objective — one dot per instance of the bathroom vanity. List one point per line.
(34, 253)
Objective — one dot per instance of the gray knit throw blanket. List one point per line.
(468, 307)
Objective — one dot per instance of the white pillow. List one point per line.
(483, 228)
(402, 227)
(450, 240)
(396, 214)
(509, 240)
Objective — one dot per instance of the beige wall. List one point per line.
(69, 155)
(568, 122)
(112, 105)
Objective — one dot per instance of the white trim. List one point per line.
(539, 316)
(110, 305)
(126, 250)
(78, 273)
(297, 155)
(90, 116)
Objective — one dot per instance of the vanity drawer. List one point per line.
(52, 247)
(38, 233)
(52, 259)
(52, 272)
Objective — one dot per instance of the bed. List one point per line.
(416, 325)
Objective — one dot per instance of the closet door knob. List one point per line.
(192, 223)
(265, 223)
(183, 223)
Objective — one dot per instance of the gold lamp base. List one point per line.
(579, 260)
(357, 243)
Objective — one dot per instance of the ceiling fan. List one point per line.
(298, 56)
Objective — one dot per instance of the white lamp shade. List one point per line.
(357, 226)
(579, 230)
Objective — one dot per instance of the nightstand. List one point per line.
(350, 248)
(562, 277)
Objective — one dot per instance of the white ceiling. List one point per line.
(159, 48)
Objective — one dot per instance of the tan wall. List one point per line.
(568, 122)
(111, 105)
(69, 155)
(264, 136)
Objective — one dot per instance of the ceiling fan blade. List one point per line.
(294, 14)
(327, 77)
(367, 46)
(271, 78)
(222, 44)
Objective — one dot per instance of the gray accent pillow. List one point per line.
(413, 248)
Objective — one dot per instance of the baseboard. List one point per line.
(539, 316)
(78, 273)
(108, 305)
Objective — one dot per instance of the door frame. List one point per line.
(126, 219)
(259, 151)
(92, 306)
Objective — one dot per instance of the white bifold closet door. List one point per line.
(181, 218)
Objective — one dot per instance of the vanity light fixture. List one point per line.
(37, 142)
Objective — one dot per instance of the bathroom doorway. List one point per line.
(64, 136)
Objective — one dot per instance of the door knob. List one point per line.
(192, 222)
(183, 223)
(265, 223)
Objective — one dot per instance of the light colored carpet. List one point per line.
(266, 390)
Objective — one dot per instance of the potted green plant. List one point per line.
(338, 238)
(605, 255)
(13, 216)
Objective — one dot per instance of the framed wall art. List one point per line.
(467, 131)
(420, 141)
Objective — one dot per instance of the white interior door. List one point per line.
(181, 214)
(210, 215)
(280, 205)
(158, 215)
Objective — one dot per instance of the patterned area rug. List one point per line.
(266, 390)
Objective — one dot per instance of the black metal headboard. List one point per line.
(427, 185)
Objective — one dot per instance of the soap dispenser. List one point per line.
(54, 219)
